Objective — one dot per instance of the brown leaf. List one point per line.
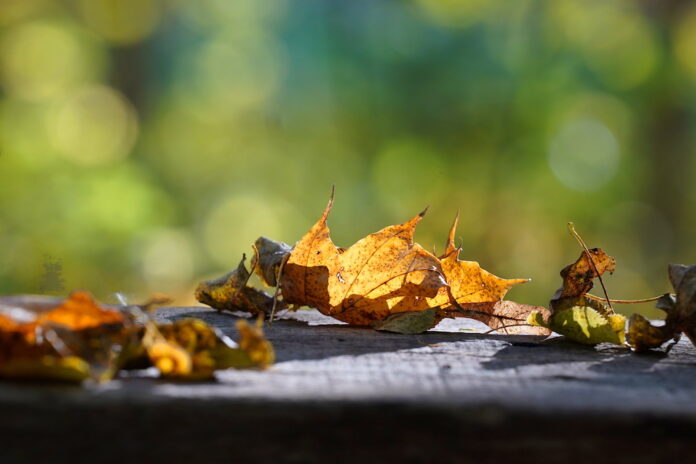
(379, 275)
(680, 309)
(505, 316)
(578, 277)
(576, 316)
(231, 293)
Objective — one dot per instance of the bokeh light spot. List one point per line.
(121, 22)
(118, 199)
(237, 75)
(584, 155)
(44, 59)
(94, 126)
(615, 40)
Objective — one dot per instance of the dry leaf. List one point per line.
(578, 277)
(576, 316)
(231, 293)
(255, 345)
(190, 349)
(78, 339)
(680, 309)
(381, 274)
(70, 341)
(384, 280)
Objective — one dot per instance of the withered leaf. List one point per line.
(578, 277)
(80, 311)
(79, 339)
(190, 349)
(576, 316)
(680, 309)
(69, 341)
(253, 342)
(231, 293)
(379, 275)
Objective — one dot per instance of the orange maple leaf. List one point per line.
(379, 275)
(386, 274)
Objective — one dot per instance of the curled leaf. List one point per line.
(577, 317)
(680, 308)
(642, 335)
(231, 293)
(269, 258)
(578, 277)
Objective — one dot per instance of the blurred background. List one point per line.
(145, 144)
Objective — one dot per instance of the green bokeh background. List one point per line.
(144, 144)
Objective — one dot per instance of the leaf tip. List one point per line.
(450, 246)
(329, 205)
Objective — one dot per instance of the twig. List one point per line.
(277, 290)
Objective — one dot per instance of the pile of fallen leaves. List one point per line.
(388, 282)
(385, 281)
(79, 339)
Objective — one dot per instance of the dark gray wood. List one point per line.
(347, 394)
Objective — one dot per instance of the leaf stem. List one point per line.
(644, 300)
(277, 290)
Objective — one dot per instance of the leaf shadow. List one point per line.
(550, 351)
(605, 364)
(307, 340)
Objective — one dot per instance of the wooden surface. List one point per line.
(345, 394)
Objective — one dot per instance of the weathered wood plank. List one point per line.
(345, 393)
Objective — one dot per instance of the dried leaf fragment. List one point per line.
(189, 349)
(578, 277)
(231, 293)
(680, 309)
(577, 317)
(255, 345)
